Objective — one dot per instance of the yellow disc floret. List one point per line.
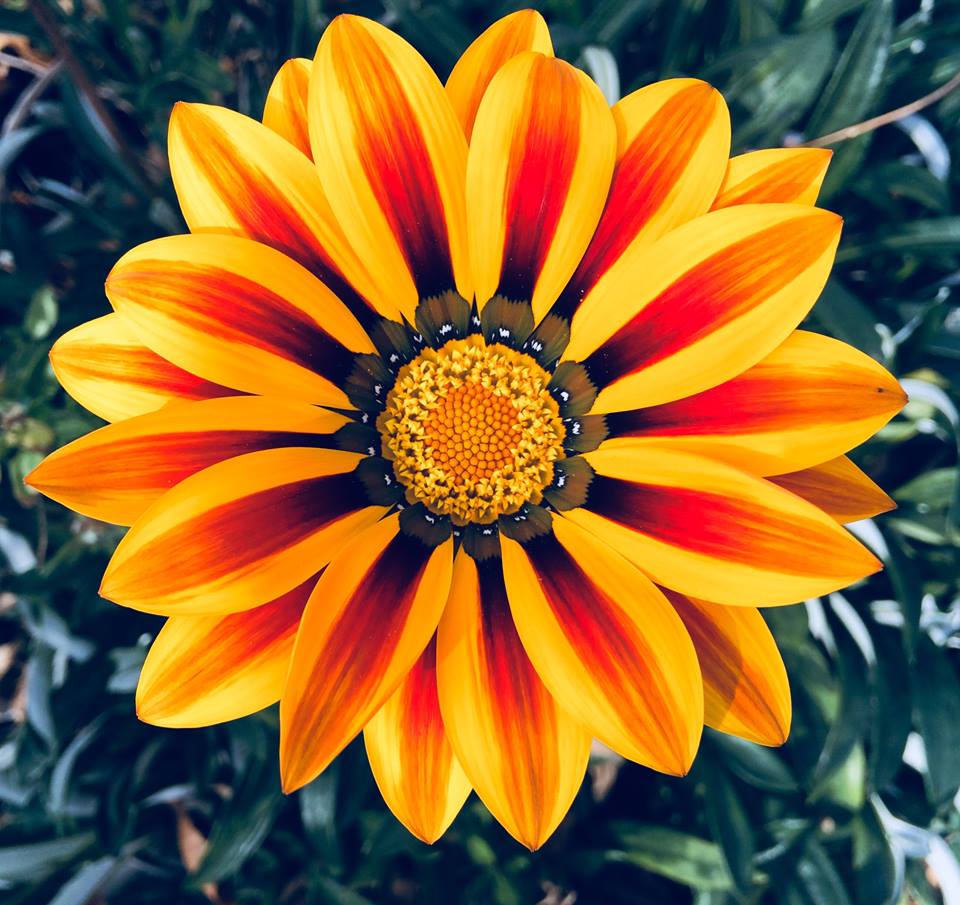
(472, 430)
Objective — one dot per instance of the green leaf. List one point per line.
(730, 827)
(937, 712)
(681, 857)
(85, 883)
(243, 823)
(878, 870)
(754, 764)
(36, 860)
(850, 94)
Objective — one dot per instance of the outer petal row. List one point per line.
(391, 157)
(703, 528)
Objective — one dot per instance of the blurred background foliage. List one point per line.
(858, 808)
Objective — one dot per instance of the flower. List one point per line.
(474, 418)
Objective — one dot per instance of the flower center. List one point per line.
(472, 430)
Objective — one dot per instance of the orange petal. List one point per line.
(774, 176)
(391, 156)
(235, 175)
(286, 108)
(506, 38)
(540, 162)
(115, 473)
(703, 528)
(608, 645)
(203, 670)
(809, 400)
(674, 140)
(839, 488)
(109, 371)
(241, 314)
(523, 754)
(369, 619)
(702, 304)
(416, 771)
(745, 687)
(240, 532)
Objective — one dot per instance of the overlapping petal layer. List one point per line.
(774, 176)
(240, 532)
(286, 108)
(241, 314)
(608, 644)
(745, 686)
(413, 763)
(521, 752)
(704, 303)
(114, 474)
(391, 156)
(708, 530)
(508, 37)
(839, 488)
(368, 620)
(108, 370)
(809, 400)
(541, 158)
(209, 669)
(235, 175)
(673, 144)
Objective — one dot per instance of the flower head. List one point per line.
(474, 418)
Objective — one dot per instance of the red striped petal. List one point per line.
(235, 175)
(241, 314)
(674, 139)
(506, 38)
(839, 488)
(391, 156)
(774, 176)
(116, 473)
(369, 619)
(240, 532)
(745, 687)
(203, 670)
(522, 753)
(540, 162)
(104, 366)
(607, 644)
(809, 400)
(285, 111)
(704, 303)
(413, 763)
(711, 531)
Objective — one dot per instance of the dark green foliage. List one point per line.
(856, 808)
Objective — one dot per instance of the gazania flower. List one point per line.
(474, 418)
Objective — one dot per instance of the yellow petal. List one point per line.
(108, 370)
(369, 619)
(286, 108)
(702, 304)
(708, 530)
(391, 157)
(415, 768)
(240, 532)
(541, 158)
(774, 176)
(745, 687)
(114, 474)
(506, 38)
(521, 752)
(607, 644)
